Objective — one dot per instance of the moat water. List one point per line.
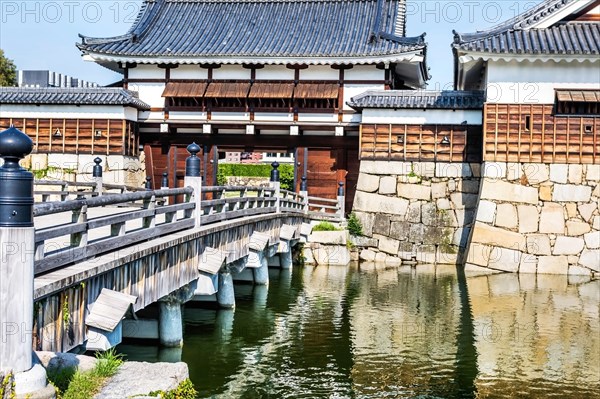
(372, 332)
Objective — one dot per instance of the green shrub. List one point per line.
(185, 390)
(286, 173)
(354, 225)
(324, 226)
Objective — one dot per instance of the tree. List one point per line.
(8, 71)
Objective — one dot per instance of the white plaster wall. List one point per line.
(189, 72)
(231, 116)
(67, 111)
(319, 72)
(419, 117)
(275, 72)
(143, 71)
(273, 117)
(147, 116)
(187, 116)
(352, 118)
(150, 93)
(352, 90)
(231, 72)
(331, 118)
(364, 72)
(534, 82)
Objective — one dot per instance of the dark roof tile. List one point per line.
(71, 96)
(420, 99)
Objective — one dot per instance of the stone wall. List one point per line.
(416, 211)
(537, 218)
(117, 169)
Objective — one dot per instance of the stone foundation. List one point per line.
(538, 218)
(419, 212)
(117, 169)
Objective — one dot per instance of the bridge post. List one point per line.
(194, 180)
(148, 185)
(17, 246)
(276, 185)
(226, 293)
(341, 198)
(164, 185)
(97, 175)
(304, 194)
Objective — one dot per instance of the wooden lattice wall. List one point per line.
(533, 133)
(78, 136)
(440, 143)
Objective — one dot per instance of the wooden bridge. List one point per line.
(99, 254)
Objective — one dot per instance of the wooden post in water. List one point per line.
(194, 180)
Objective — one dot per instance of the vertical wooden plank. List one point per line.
(496, 134)
(37, 133)
(531, 133)
(375, 141)
(435, 142)
(93, 135)
(554, 142)
(420, 140)
(519, 132)
(108, 137)
(77, 137)
(390, 142)
(360, 140)
(64, 134)
(507, 132)
(484, 131)
(543, 138)
(452, 143)
(50, 136)
(404, 140)
(568, 138)
(123, 131)
(580, 139)
(595, 152)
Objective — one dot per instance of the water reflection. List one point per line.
(374, 332)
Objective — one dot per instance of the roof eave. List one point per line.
(463, 56)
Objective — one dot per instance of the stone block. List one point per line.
(382, 224)
(426, 254)
(559, 173)
(328, 237)
(468, 186)
(571, 193)
(367, 183)
(413, 213)
(528, 264)
(447, 258)
(439, 190)
(553, 265)
(331, 255)
(416, 233)
(414, 191)
(363, 242)
(506, 216)
(568, 245)
(388, 245)
(575, 174)
(378, 203)
(464, 200)
(475, 169)
(528, 218)
(388, 168)
(508, 192)
(486, 211)
(575, 228)
(405, 251)
(472, 270)
(452, 170)
(387, 185)
(538, 244)
(514, 171)
(368, 255)
(536, 172)
(504, 259)
(424, 169)
(443, 203)
(436, 235)
(494, 170)
(571, 209)
(452, 186)
(463, 217)
(552, 219)
(592, 240)
(579, 271)
(546, 192)
(592, 173)
(367, 220)
(399, 230)
(495, 236)
(479, 254)
(587, 210)
(596, 223)
(380, 257)
(590, 259)
(596, 192)
(38, 161)
(429, 214)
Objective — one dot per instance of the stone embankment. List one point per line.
(538, 218)
(416, 211)
(327, 248)
(527, 218)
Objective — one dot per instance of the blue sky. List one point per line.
(42, 34)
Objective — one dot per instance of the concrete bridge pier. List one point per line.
(226, 293)
(261, 273)
(170, 320)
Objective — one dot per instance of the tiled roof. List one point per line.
(420, 99)
(262, 28)
(519, 35)
(71, 96)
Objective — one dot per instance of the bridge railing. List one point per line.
(62, 190)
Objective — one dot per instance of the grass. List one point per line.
(324, 226)
(73, 384)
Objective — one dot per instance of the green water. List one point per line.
(371, 332)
